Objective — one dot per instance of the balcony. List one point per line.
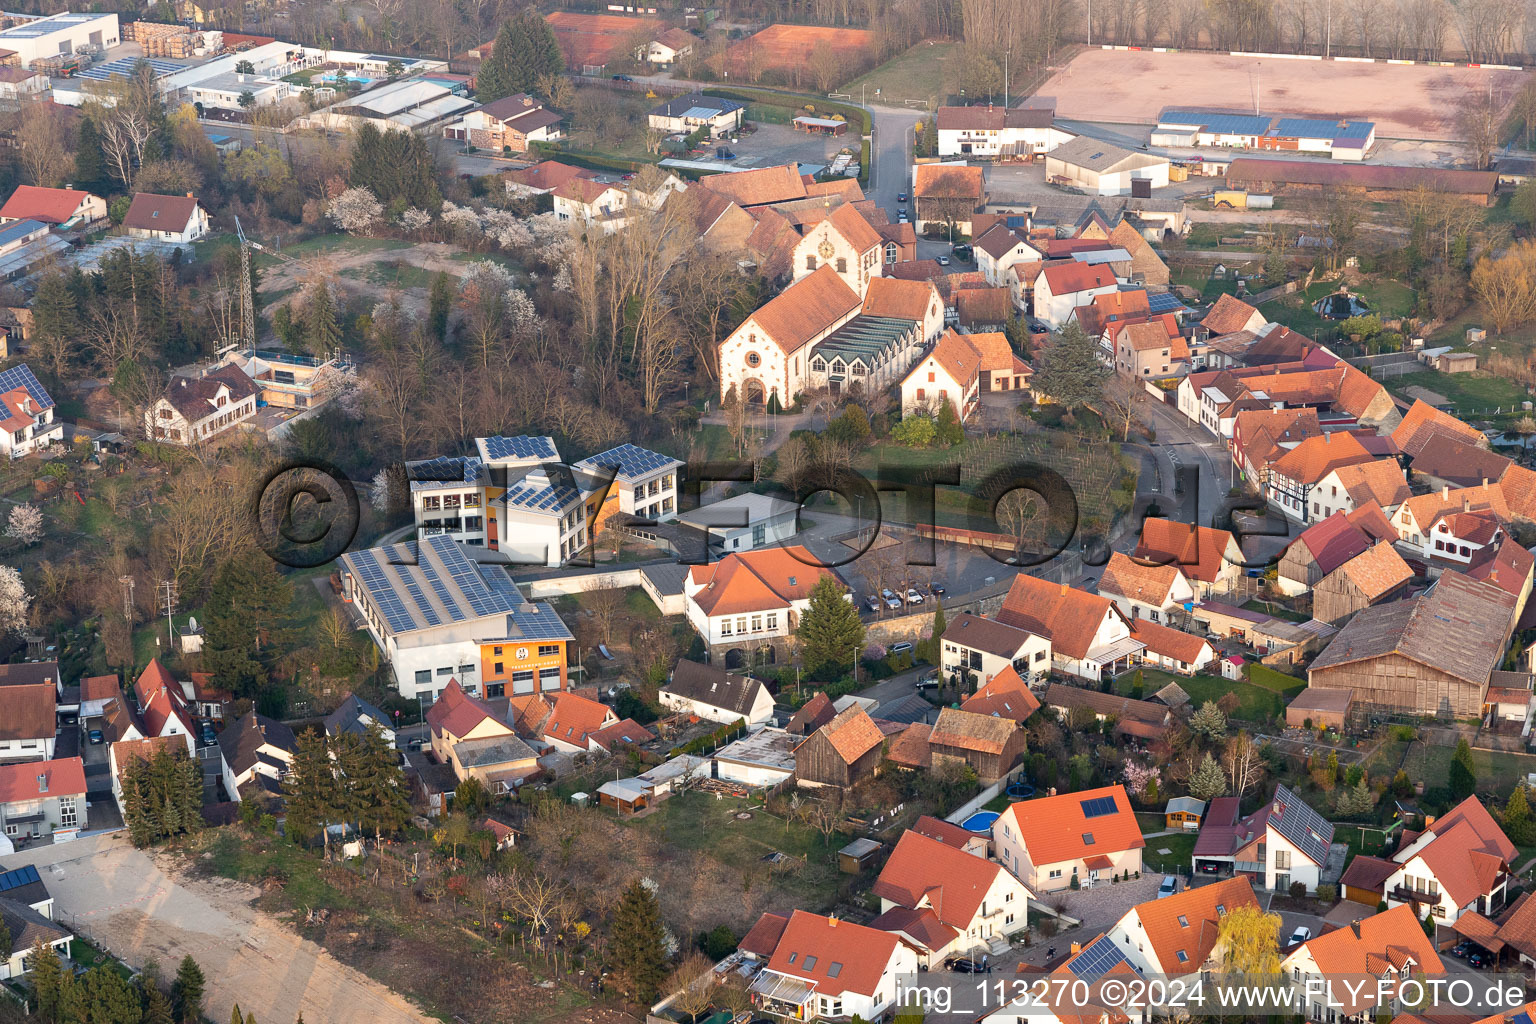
(1404, 894)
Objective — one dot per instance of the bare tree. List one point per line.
(46, 155)
(604, 603)
(693, 985)
(124, 134)
(1243, 764)
(1478, 119)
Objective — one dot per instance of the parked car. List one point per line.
(1169, 887)
(622, 78)
(891, 600)
(942, 260)
(1300, 935)
(901, 647)
(1480, 959)
(873, 602)
(1462, 949)
(928, 680)
(95, 736)
(209, 737)
(914, 596)
(965, 965)
(901, 218)
(901, 197)
(936, 589)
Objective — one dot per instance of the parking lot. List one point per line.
(774, 144)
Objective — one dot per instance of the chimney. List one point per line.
(191, 196)
(1445, 492)
(69, 186)
(831, 920)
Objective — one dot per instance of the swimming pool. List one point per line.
(981, 821)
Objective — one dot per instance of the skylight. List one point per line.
(1087, 838)
(810, 963)
(1183, 921)
(834, 969)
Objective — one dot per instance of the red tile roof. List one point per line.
(910, 748)
(926, 872)
(757, 187)
(806, 309)
(1229, 314)
(1006, 695)
(62, 777)
(947, 181)
(49, 205)
(1069, 617)
(150, 212)
(1138, 581)
(547, 175)
(763, 937)
(99, 687)
(757, 580)
(1171, 643)
(456, 713)
(904, 300)
(1188, 922)
(160, 699)
(625, 731)
(575, 719)
(1467, 852)
(1367, 947)
(1068, 278)
(815, 943)
(1316, 457)
(852, 734)
(945, 832)
(1200, 552)
(1424, 421)
(1052, 827)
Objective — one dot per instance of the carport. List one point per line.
(820, 125)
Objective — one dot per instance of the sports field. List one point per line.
(592, 40)
(1406, 102)
(780, 47)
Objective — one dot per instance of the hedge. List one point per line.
(591, 161)
(715, 739)
(853, 114)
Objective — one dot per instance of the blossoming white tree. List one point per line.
(14, 600)
(25, 524)
(413, 219)
(355, 210)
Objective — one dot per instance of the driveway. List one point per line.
(1098, 909)
(122, 898)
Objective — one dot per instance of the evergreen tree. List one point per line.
(157, 1008)
(311, 791)
(90, 165)
(950, 432)
(638, 944)
(321, 330)
(1208, 782)
(72, 1006)
(235, 1016)
(108, 998)
(1518, 825)
(379, 785)
(397, 167)
(931, 650)
(439, 303)
(56, 326)
(187, 991)
(1462, 777)
(499, 74)
(830, 631)
(1070, 372)
(47, 979)
(247, 595)
(1209, 721)
(141, 826)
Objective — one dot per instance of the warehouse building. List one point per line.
(1100, 168)
(1341, 139)
(1258, 174)
(59, 34)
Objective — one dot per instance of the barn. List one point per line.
(1099, 168)
(1378, 181)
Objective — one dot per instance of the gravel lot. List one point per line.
(128, 902)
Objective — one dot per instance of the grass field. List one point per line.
(697, 821)
(1497, 770)
(1199, 278)
(921, 75)
(1472, 393)
(1180, 850)
(1389, 299)
(1254, 703)
(1361, 841)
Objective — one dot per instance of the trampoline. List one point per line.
(1021, 791)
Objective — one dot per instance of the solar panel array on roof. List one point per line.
(1309, 831)
(1098, 959)
(540, 498)
(123, 68)
(444, 469)
(1098, 807)
(1219, 124)
(1320, 128)
(521, 447)
(21, 876)
(441, 589)
(466, 574)
(632, 461)
(1164, 302)
(381, 592)
(22, 377)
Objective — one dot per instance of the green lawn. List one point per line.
(1391, 299)
(1254, 703)
(1151, 821)
(1274, 611)
(1274, 680)
(1497, 770)
(87, 955)
(1473, 394)
(697, 821)
(1181, 849)
(1361, 841)
(1199, 278)
(921, 74)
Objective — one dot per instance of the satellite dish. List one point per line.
(192, 624)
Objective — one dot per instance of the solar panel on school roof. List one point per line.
(521, 447)
(22, 377)
(632, 460)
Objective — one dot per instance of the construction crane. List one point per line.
(247, 293)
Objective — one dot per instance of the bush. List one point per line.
(1298, 889)
(1327, 894)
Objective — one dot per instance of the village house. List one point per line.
(949, 374)
(1148, 348)
(1098, 960)
(1281, 843)
(716, 695)
(1349, 487)
(1208, 558)
(895, 299)
(1005, 695)
(196, 409)
(355, 716)
(575, 722)
(946, 901)
(1423, 422)
(685, 115)
(824, 968)
(506, 125)
(1064, 286)
(542, 178)
(467, 734)
(1429, 655)
(1327, 544)
(588, 202)
(670, 46)
(1230, 314)
(166, 218)
(1089, 635)
(437, 615)
(971, 843)
(64, 209)
(1447, 460)
(1461, 862)
(1386, 948)
(163, 707)
(998, 131)
(1172, 649)
(990, 744)
(1454, 526)
(1372, 577)
(256, 750)
(1178, 935)
(29, 697)
(1293, 476)
(43, 798)
(746, 604)
(122, 754)
(1139, 719)
(979, 648)
(27, 928)
(998, 250)
(1050, 841)
(1145, 591)
(840, 753)
(28, 423)
(944, 196)
(1147, 267)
